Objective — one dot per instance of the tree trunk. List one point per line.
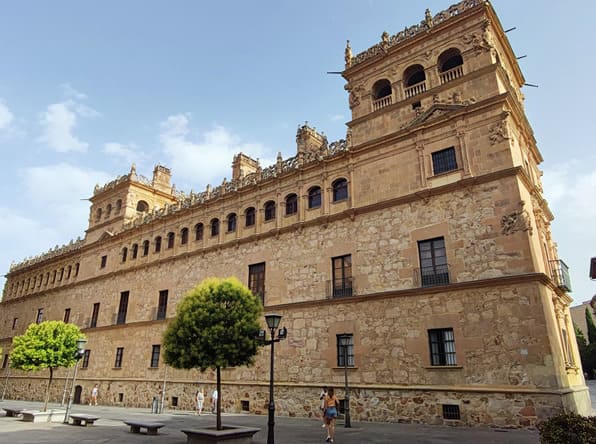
(218, 426)
(45, 404)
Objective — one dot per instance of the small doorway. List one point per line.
(77, 394)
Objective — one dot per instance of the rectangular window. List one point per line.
(155, 356)
(5, 361)
(162, 304)
(118, 361)
(122, 308)
(66, 315)
(342, 276)
(451, 411)
(444, 160)
(256, 280)
(94, 315)
(86, 355)
(433, 262)
(442, 346)
(39, 316)
(345, 350)
(15, 321)
(104, 261)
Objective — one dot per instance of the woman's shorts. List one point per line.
(331, 413)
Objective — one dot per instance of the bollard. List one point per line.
(154, 405)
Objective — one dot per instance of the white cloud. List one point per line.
(336, 117)
(6, 117)
(207, 160)
(70, 92)
(58, 123)
(129, 153)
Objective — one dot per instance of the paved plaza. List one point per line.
(111, 429)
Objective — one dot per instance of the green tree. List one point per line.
(591, 327)
(50, 344)
(215, 327)
(582, 346)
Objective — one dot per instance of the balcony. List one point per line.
(382, 103)
(560, 274)
(416, 89)
(452, 74)
(431, 276)
(340, 288)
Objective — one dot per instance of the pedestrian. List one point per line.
(94, 393)
(200, 398)
(214, 397)
(322, 406)
(331, 405)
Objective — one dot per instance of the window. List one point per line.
(68, 273)
(250, 216)
(108, 211)
(122, 308)
(345, 350)
(442, 346)
(135, 250)
(162, 304)
(340, 190)
(118, 206)
(124, 254)
(451, 411)
(86, 355)
(414, 75)
(66, 315)
(98, 215)
(59, 277)
(198, 231)
(104, 261)
(270, 210)
(314, 197)
(256, 280)
(155, 356)
(214, 227)
(157, 244)
(77, 266)
(39, 317)
(118, 361)
(433, 262)
(15, 321)
(342, 276)
(5, 361)
(444, 161)
(142, 206)
(171, 240)
(231, 222)
(449, 60)
(381, 88)
(54, 274)
(94, 315)
(184, 236)
(291, 204)
(145, 248)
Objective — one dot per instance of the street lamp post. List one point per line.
(78, 355)
(344, 341)
(272, 323)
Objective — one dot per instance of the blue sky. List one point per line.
(87, 88)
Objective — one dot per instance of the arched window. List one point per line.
(118, 206)
(69, 270)
(171, 239)
(381, 88)
(108, 211)
(340, 189)
(199, 231)
(157, 244)
(450, 65)
(291, 204)
(184, 236)
(135, 250)
(77, 266)
(98, 215)
(249, 216)
(214, 227)
(145, 248)
(314, 197)
(124, 254)
(414, 81)
(142, 206)
(269, 210)
(231, 222)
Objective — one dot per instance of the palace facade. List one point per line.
(423, 238)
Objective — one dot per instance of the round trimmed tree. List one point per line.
(50, 344)
(215, 327)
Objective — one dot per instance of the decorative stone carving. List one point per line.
(498, 132)
(519, 220)
(348, 55)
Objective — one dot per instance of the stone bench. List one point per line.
(47, 416)
(151, 426)
(13, 412)
(81, 419)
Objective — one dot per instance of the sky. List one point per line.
(88, 88)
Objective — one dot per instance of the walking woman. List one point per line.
(331, 405)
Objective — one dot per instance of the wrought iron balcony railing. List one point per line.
(431, 276)
(340, 288)
(560, 274)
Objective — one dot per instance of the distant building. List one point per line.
(424, 236)
(578, 315)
